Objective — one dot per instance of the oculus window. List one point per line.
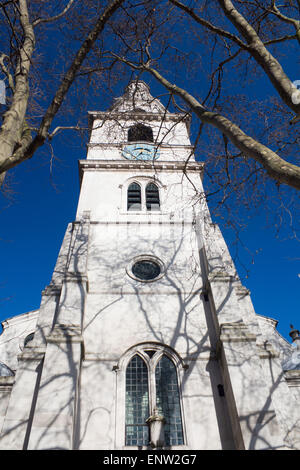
(145, 268)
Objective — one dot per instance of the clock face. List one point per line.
(140, 152)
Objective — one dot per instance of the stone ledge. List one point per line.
(31, 354)
(52, 289)
(292, 377)
(222, 276)
(75, 277)
(6, 382)
(139, 164)
(132, 114)
(235, 332)
(266, 351)
(65, 334)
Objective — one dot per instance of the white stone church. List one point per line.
(145, 337)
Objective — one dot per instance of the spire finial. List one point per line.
(294, 333)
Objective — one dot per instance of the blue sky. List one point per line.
(43, 201)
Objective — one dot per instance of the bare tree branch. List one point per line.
(53, 18)
(12, 154)
(210, 26)
(263, 57)
(277, 168)
(6, 72)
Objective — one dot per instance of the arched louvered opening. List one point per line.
(137, 403)
(168, 400)
(28, 338)
(139, 132)
(134, 198)
(152, 197)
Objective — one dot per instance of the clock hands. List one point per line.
(140, 152)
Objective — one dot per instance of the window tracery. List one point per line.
(152, 389)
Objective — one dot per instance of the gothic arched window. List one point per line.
(134, 198)
(137, 403)
(152, 389)
(152, 197)
(140, 132)
(168, 401)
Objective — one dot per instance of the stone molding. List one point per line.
(292, 377)
(118, 165)
(132, 115)
(120, 145)
(31, 354)
(72, 276)
(266, 351)
(242, 291)
(65, 334)
(235, 332)
(222, 276)
(6, 383)
(52, 289)
(141, 222)
(55, 289)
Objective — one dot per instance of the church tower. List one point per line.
(145, 337)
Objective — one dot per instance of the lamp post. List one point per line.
(156, 425)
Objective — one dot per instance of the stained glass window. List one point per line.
(168, 401)
(137, 403)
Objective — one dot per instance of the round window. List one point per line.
(145, 268)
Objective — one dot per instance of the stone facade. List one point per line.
(65, 389)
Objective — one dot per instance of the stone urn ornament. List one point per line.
(156, 425)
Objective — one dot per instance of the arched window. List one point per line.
(5, 371)
(28, 338)
(139, 132)
(152, 388)
(152, 197)
(137, 403)
(134, 200)
(168, 401)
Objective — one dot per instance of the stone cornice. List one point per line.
(6, 382)
(129, 165)
(139, 222)
(65, 334)
(292, 377)
(235, 332)
(138, 115)
(266, 350)
(120, 145)
(31, 354)
(222, 276)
